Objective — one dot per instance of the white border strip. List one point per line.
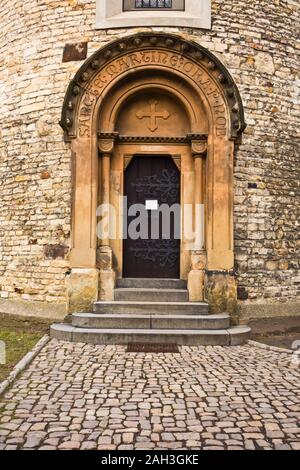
(23, 363)
(268, 347)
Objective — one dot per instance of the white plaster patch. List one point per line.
(264, 63)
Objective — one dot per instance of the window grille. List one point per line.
(153, 3)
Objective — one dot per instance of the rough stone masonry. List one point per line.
(258, 42)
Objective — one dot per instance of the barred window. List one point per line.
(134, 13)
(177, 5)
(153, 3)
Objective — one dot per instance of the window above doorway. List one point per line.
(133, 13)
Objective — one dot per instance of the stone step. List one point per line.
(151, 283)
(171, 322)
(224, 337)
(152, 295)
(162, 308)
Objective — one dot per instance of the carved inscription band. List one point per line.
(171, 60)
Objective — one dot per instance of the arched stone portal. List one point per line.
(153, 95)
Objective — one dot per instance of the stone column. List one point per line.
(196, 275)
(104, 252)
(105, 189)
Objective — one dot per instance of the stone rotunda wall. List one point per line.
(256, 41)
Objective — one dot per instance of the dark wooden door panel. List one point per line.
(155, 179)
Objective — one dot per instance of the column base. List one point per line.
(196, 276)
(196, 286)
(107, 276)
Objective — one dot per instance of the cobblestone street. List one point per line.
(76, 396)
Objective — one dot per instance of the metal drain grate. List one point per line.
(152, 348)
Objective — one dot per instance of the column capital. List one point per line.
(198, 144)
(199, 148)
(106, 141)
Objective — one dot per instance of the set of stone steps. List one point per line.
(151, 311)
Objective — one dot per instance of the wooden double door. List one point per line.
(151, 245)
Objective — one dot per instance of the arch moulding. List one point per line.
(90, 112)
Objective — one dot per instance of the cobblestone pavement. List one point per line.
(76, 396)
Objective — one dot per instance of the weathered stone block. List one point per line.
(221, 292)
(82, 289)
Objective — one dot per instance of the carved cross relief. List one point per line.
(153, 115)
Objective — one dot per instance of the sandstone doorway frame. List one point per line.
(91, 269)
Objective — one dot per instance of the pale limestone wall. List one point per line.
(256, 40)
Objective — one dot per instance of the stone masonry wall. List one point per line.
(257, 40)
